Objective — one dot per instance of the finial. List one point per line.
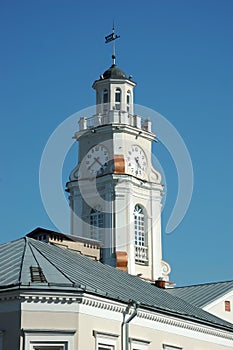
(112, 37)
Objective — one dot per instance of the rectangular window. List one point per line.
(48, 339)
(138, 344)
(227, 306)
(105, 341)
(171, 347)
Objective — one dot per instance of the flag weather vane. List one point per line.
(112, 37)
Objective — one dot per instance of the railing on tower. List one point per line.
(141, 254)
(115, 117)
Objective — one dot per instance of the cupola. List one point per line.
(114, 91)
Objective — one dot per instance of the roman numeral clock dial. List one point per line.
(96, 160)
(136, 161)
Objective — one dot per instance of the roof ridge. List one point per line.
(45, 257)
(22, 259)
(204, 284)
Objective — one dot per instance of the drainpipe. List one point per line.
(135, 305)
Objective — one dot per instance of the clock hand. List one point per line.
(97, 160)
(92, 164)
(136, 159)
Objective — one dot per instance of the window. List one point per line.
(105, 341)
(136, 344)
(49, 348)
(96, 224)
(140, 239)
(227, 306)
(128, 97)
(170, 347)
(48, 339)
(1, 339)
(105, 100)
(118, 99)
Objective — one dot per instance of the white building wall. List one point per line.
(81, 322)
(217, 307)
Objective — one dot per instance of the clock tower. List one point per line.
(114, 191)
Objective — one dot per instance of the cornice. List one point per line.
(188, 325)
(117, 307)
(153, 316)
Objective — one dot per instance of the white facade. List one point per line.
(60, 321)
(114, 186)
(222, 307)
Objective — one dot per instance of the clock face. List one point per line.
(96, 160)
(136, 161)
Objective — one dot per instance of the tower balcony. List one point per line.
(114, 117)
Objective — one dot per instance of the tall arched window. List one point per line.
(105, 100)
(118, 99)
(96, 224)
(140, 238)
(128, 98)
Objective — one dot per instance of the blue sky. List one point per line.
(181, 56)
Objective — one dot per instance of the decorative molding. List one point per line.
(171, 347)
(152, 316)
(142, 341)
(186, 325)
(118, 307)
(165, 268)
(104, 334)
(49, 331)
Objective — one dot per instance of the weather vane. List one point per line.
(112, 37)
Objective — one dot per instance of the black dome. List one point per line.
(114, 72)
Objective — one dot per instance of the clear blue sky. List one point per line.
(181, 55)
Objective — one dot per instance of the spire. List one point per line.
(112, 37)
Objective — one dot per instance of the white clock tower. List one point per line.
(115, 193)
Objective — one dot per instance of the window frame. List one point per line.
(140, 235)
(171, 347)
(107, 341)
(96, 223)
(34, 339)
(138, 344)
(128, 100)
(105, 100)
(118, 94)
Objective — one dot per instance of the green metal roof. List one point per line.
(202, 294)
(67, 270)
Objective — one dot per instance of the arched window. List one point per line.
(105, 100)
(118, 99)
(96, 224)
(140, 239)
(128, 98)
(105, 96)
